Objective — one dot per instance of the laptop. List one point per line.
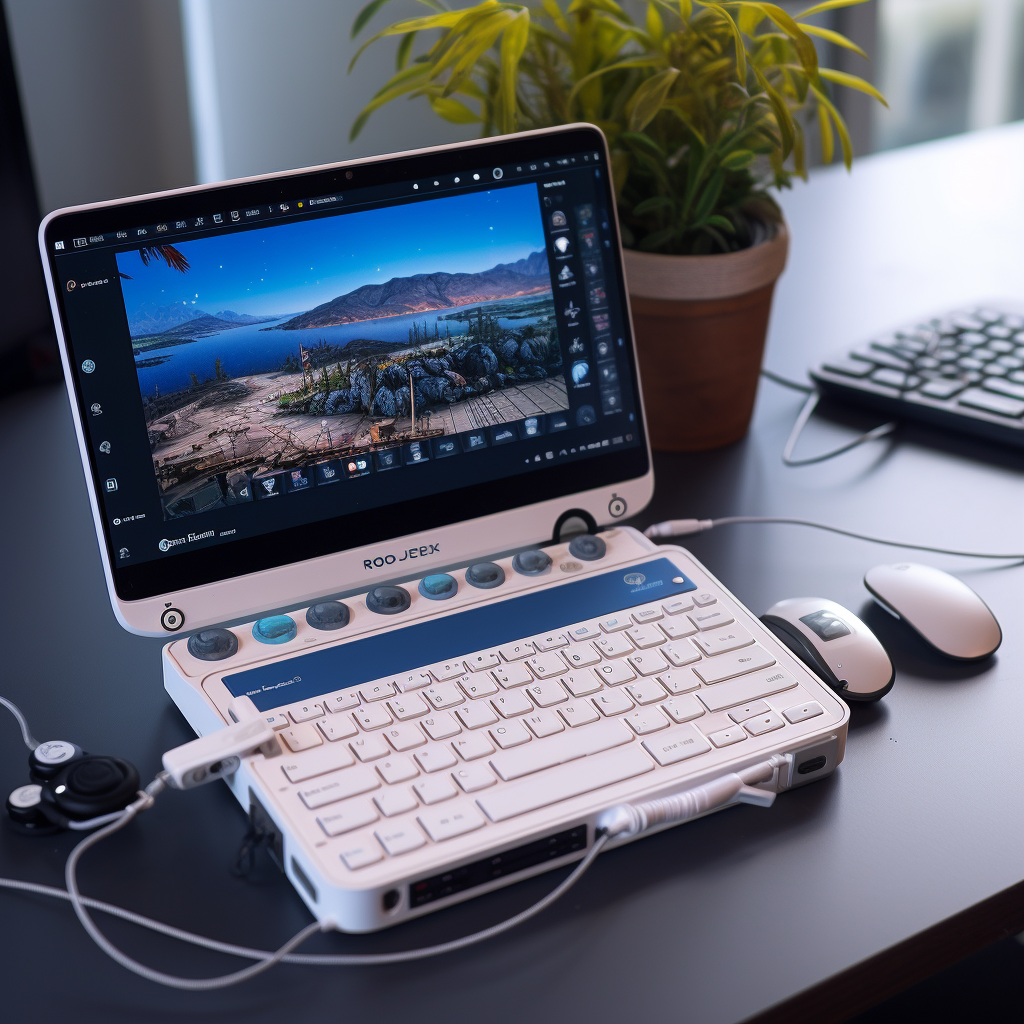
(359, 441)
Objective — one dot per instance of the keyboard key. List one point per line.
(544, 666)
(615, 622)
(316, 762)
(728, 736)
(372, 716)
(338, 786)
(401, 838)
(615, 646)
(581, 656)
(737, 663)
(435, 759)
(482, 661)
(682, 681)
(645, 636)
(678, 605)
(1004, 387)
(445, 670)
(512, 675)
(476, 715)
(647, 663)
(897, 378)
(801, 712)
(478, 684)
(397, 768)
(276, 721)
(761, 724)
(514, 764)
(676, 629)
(880, 358)
(544, 723)
(361, 852)
(720, 641)
(305, 712)
(683, 708)
(584, 631)
(998, 404)
(676, 745)
(547, 693)
(441, 726)
(472, 745)
(579, 712)
(612, 702)
(343, 700)
(337, 727)
(745, 689)
(377, 691)
(643, 615)
(550, 642)
(509, 734)
(704, 600)
(513, 652)
(943, 388)
(369, 748)
(710, 618)
(647, 691)
(413, 681)
(646, 720)
(347, 816)
(614, 672)
(510, 704)
(563, 782)
(442, 695)
(681, 653)
(391, 802)
(473, 777)
(848, 367)
(409, 705)
(301, 737)
(579, 684)
(441, 825)
(757, 707)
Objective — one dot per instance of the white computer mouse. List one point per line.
(835, 643)
(944, 610)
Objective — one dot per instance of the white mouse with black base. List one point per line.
(835, 643)
(942, 609)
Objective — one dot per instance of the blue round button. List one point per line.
(439, 587)
(275, 629)
(388, 600)
(587, 547)
(531, 563)
(485, 575)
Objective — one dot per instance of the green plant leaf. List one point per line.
(365, 15)
(453, 110)
(828, 5)
(827, 138)
(412, 79)
(404, 48)
(835, 38)
(554, 12)
(446, 20)
(633, 62)
(644, 144)
(685, 9)
(648, 99)
(852, 82)
(655, 25)
(840, 125)
(783, 118)
(652, 204)
(709, 197)
(472, 47)
(608, 6)
(804, 47)
(513, 43)
(741, 50)
(656, 239)
(737, 160)
(716, 220)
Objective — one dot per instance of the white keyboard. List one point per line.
(392, 781)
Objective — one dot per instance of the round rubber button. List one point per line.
(275, 629)
(212, 644)
(587, 547)
(438, 587)
(172, 620)
(328, 615)
(531, 563)
(388, 600)
(485, 575)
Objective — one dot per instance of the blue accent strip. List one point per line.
(402, 650)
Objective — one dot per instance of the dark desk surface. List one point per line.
(910, 854)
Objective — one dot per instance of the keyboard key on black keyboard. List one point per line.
(849, 367)
(1005, 387)
(895, 379)
(977, 399)
(943, 388)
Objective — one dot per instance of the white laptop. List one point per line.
(358, 439)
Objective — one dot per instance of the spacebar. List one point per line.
(563, 782)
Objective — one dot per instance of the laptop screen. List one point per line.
(277, 370)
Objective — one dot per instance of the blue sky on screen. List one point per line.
(290, 268)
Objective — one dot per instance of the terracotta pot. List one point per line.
(700, 324)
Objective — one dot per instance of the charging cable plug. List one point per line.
(678, 527)
(736, 787)
(219, 754)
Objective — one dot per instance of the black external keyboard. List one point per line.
(963, 371)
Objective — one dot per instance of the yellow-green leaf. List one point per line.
(647, 100)
(737, 160)
(655, 26)
(852, 82)
(833, 37)
(404, 48)
(453, 110)
(829, 5)
(837, 120)
(741, 52)
(827, 138)
(634, 62)
(805, 48)
(685, 9)
(411, 25)
(554, 12)
(513, 43)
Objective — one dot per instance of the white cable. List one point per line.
(682, 527)
(26, 733)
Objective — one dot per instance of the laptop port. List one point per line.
(813, 765)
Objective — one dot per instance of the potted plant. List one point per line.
(704, 106)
